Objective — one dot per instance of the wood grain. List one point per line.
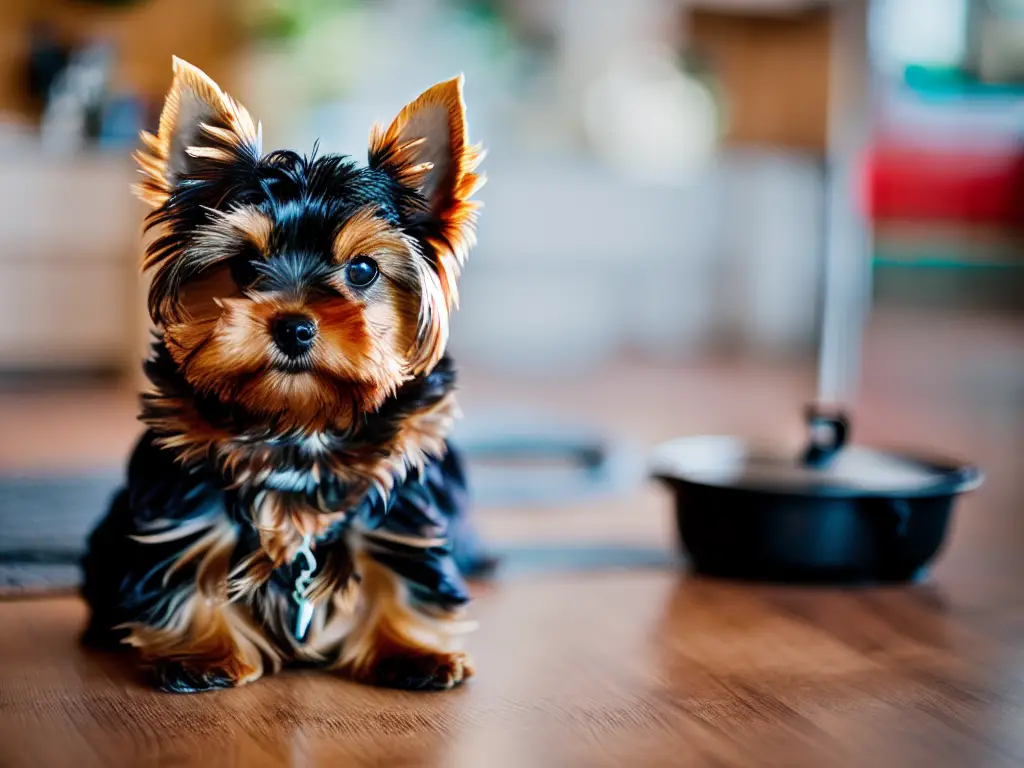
(636, 667)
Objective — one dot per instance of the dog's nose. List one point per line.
(294, 334)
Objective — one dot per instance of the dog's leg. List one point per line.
(399, 640)
(186, 628)
(156, 577)
(408, 627)
(201, 645)
(193, 637)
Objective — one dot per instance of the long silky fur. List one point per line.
(243, 462)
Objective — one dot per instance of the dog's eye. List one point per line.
(361, 271)
(243, 269)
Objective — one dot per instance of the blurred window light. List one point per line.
(650, 120)
(923, 32)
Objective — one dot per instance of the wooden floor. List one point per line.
(633, 667)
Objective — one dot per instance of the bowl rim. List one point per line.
(956, 477)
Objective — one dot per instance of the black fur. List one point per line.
(307, 198)
(179, 494)
(124, 579)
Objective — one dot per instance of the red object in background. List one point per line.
(907, 183)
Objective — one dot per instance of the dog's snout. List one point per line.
(294, 334)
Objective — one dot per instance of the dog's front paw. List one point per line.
(421, 671)
(184, 677)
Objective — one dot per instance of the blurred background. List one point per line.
(668, 181)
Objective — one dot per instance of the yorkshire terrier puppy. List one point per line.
(294, 498)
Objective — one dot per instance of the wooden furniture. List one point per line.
(771, 66)
(144, 34)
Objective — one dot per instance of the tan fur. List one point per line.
(225, 621)
(203, 629)
(216, 353)
(236, 129)
(366, 234)
(359, 358)
(388, 627)
(212, 627)
(207, 637)
(368, 343)
(422, 436)
(283, 522)
(243, 223)
(201, 300)
(402, 150)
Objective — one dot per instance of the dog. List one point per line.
(294, 500)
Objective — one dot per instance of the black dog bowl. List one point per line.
(836, 514)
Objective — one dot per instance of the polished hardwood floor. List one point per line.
(610, 667)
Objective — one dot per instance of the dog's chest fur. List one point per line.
(287, 487)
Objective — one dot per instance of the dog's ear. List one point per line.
(201, 129)
(426, 149)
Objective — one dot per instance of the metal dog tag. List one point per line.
(306, 607)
